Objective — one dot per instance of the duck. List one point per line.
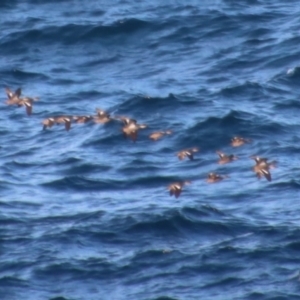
(224, 158)
(63, 119)
(13, 97)
(176, 188)
(154, 136)
(239, 141)
(49, 122)
(262, 167)
(27, 102)
(213, 177)
(131, 130)
(131, 127)
(126, 120)
(187, 153)
(102, 116)
(259, 159)
(82, 119)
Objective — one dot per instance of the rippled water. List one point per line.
(86, 214)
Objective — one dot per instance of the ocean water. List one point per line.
(86, 214)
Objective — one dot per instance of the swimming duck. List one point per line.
(126, 120)
(224, 159)
(13, 97)
(82, 119)
(159, 134)
(239, 141)
(131, 130)
(48, 123)
(187, 153)
(100, 112)
(258, 159)
(176, 188)
(262, 167)
(213, 177)
(102, 116)
(63, 119)
(27, 102)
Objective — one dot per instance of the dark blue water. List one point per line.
(86, 214)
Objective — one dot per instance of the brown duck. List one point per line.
(259, 159)
(27, 102)
(159, 134)
(239, 141)
(213, 177)
(225, 159)
(64, 120)
(102, 116)
(176, 188)
(131, 130)
(82, 119)
(13, 97)
(187, 153)
(126, 120)
(48, 123)
(262, 167)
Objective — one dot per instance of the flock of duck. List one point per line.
(130, 130)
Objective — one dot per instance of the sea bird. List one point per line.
(13, 97)
(187, 153)
(126, 120)
(224, 159)
(213, 177)
(239, 141)
(48, 123)
(27, 102)
(82, 119)
(262, 167)
(131, 130)
(102, 116)
(154, 136)
(64, 120)
(176, 188)
(131, 127)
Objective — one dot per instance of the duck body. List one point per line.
(131, 130)
(239, 141)
(102, 116)
(82, 119)
(262, 167)
(159, 134)
(48, 123)
(225, 159)
(131, 127)
(13, 97)
(213, 178)
(102, 119)
(64, 120)
(28, 103)
(187, 153)
(176, 188)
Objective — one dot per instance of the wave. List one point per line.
(9, 281)
(83, 183)
(120, 27)
(175, 223)
(287, 104)
(26, 75)
(290, 184)
(70, 34)
(234, 123)
(247, 88)
(145, 105)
